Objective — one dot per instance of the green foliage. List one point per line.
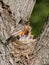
(39, 16)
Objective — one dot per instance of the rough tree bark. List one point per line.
(13, 52)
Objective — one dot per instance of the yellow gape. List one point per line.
(25, 31)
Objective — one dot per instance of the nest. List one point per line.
(22, 52)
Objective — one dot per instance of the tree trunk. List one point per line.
(12, 51)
